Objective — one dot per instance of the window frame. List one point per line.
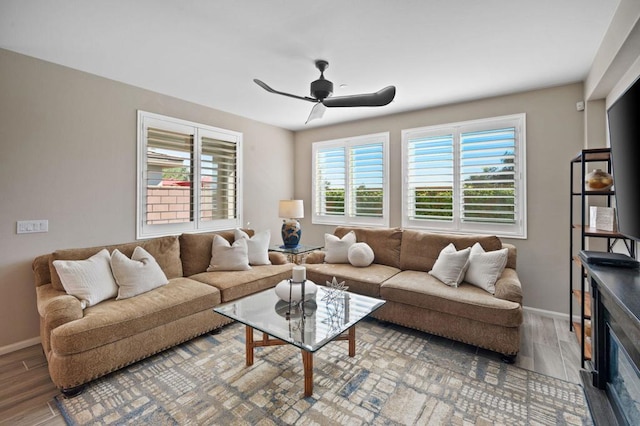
(199, 131)
(349, 218)
(517, 230)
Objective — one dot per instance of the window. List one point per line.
(350, 181)
(466, 177)
(174, 155)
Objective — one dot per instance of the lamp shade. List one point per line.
(291, 209)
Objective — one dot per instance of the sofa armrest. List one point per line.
(277, 258)
(57, 307)
(508, 286)
(315, 257)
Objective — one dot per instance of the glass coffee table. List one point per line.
(329, 315)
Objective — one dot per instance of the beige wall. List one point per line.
(68, 154)
(555, 134)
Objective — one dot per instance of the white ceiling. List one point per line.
(434, 51)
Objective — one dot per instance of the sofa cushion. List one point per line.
(337, 248)
(137, 275)
(113, 320)
(195, 250)
(166, 251)
(41, 272)
(385, 242)
(424, 291)
(236, 284)
(365, 281)
(90, 280)
(421, 249)
(512, 258)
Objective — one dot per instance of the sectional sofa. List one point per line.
(417, 299)
(84, 343)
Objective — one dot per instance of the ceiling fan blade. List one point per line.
(316, 112)
(379, 98)
(269, 89)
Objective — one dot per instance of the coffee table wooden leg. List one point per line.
(352, 341)
(249, 345)
(307, 362)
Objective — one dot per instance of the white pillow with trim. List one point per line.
(486, 267)
(137, 275)
(337, 249)
(451, 265)
(229, 257)
(257, 246)
(90, 280)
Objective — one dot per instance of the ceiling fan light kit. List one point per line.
(322, 89)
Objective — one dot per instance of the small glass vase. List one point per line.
(598, 180)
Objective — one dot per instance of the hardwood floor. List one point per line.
(26, 391)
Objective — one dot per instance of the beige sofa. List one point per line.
(416, 299)
(82, 345)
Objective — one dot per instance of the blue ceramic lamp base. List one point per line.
(291, 233)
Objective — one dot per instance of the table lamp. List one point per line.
(290, 211)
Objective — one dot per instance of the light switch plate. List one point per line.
(31, 226)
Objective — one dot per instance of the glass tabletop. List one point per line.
(325, 317)
(299, 249)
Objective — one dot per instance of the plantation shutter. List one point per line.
(429, 174)
(330, 182)
(487, 176)
(219, 185)
(367, 180)
(168, 176)
(189, 177)
(350, 181)
(467, 177)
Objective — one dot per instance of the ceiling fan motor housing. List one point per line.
(321, 88)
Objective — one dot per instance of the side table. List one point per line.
(295, 254)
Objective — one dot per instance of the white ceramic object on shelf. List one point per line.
(285, 288)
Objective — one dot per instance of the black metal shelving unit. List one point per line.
(578, 290)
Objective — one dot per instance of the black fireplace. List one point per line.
(623, 383)
(615, 320)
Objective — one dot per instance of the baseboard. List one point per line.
(20, 345)
(550, 314)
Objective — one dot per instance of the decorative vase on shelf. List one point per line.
(598, 180)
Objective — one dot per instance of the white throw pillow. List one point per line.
(89, 280)
(137, 275)
(337, 249)
(486, 267)
(227, 257)
(258, 246)
(451, 265)
(360, 254)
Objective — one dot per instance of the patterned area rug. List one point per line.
(398, 377)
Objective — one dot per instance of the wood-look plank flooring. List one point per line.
(26, 391)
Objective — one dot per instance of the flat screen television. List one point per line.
(624, 135)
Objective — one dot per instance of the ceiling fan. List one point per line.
(321, 90)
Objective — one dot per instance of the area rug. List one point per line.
(398, 377)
